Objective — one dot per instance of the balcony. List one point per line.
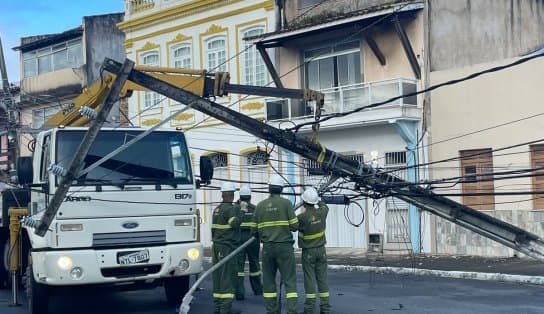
(346, 98)
(143, 7)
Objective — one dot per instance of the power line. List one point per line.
(431, 88)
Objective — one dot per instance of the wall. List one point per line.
(490, 100)
(479, 31)
(102, 39)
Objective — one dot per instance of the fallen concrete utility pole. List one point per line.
(365, 176)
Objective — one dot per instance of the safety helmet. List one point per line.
(228, 187)
(276, 180)
(310, 196)
(245, 191)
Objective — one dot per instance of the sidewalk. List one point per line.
(512, 269)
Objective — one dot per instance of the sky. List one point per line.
(21, 18)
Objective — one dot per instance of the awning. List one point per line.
(275, 39)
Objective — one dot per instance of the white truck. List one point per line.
(132, 222)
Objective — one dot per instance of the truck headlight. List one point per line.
(183, 222)
(71, 227)
(193, 254)
(64, 262)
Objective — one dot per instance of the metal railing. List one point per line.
(137, 6)
(345, 98)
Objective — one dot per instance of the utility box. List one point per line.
(375, 243)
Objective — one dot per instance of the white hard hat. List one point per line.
(228, 187)
(276, 180)
(245, 191)
(310, 196)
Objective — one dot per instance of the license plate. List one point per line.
(132, 257)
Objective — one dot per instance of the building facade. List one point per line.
(357, 53)
(204, 35)
(55, 68)
(470, 123)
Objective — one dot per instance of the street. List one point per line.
(351, 292)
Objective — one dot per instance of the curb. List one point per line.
(520, 279)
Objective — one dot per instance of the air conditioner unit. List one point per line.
(375, 243)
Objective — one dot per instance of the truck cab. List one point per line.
(130, 222)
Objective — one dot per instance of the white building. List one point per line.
(204, 35)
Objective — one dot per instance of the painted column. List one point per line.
(407, 130)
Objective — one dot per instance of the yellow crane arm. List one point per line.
(94, 95)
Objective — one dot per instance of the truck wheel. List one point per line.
(175, 289)
(36, 293)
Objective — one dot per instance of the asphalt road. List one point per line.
(351, 293)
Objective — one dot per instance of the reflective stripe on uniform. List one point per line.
(257, 273)
(293, 221)
(270, 295)
(310, 296)
(219, 226)
(223, 295)
(248, 224)
(272, 223)
(291, 295)
(231, 219)
(323, 294)
(241, 274)
(311, 236)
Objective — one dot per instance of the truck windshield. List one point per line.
(158, 158)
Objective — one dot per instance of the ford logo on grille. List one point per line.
(130, 225)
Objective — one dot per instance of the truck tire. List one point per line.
(36, 294)
(175, 289)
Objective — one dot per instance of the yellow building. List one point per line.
(205, 34)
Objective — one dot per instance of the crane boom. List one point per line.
(362, 174)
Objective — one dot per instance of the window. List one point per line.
(333, 66)
(151, 98)
(398, 230)
(53, 58)
(537, 161)
(255, 170)
(46, 158)
(216, 55)
(477, 169)
(181, 56)
(169, 164)
(253, 68)
(39, 116)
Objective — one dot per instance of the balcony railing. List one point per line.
(137, 6)
(345, 98)
(143, 7)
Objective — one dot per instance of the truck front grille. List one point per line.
(128, 238)
(133, 271)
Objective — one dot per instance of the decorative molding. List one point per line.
(128, 44)
(252, 106)
(150, 122)
(267, 5)
(184, 116)
(149, 46)
(179, 38)
(214, 29)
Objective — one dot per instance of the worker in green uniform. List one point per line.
(275, 220)
(252, 251)
(225, 237)
(311, 238)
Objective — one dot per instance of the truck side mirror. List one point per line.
(206, 169)
(25, 172)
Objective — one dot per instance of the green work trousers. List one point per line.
(223, 279)
(314, 266)
(252, 254)
(279, 256)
